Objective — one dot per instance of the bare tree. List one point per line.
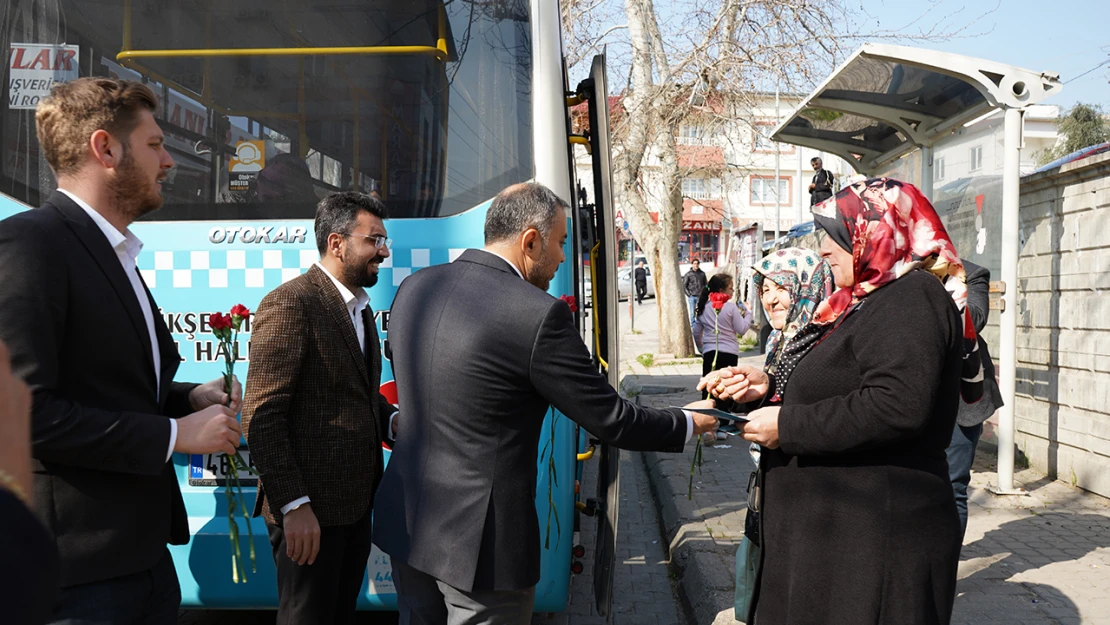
(707, 60)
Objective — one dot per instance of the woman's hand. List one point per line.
(740, 384)
(763, 428)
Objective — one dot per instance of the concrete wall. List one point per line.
(1063, 342)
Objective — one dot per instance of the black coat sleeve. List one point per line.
(563, 373)
(30, 572)
(33, 309)
(978, 294)
(901, 347)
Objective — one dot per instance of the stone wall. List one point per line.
(1063, 342)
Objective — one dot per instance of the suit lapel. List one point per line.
(94, 241)
(333, 302)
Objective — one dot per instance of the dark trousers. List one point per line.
(424, 600)
(724, 359)
(641, 292)
(151, 597)
(961, 455)
(327, 590)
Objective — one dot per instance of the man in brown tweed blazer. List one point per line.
(314, 417)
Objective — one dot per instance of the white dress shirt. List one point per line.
(127, 247)
(689, 416)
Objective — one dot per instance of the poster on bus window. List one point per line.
(34, 68)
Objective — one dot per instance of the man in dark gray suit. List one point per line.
(480, 352)
(970, 418)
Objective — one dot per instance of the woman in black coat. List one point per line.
(859, 524)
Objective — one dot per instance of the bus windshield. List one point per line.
(268, 106)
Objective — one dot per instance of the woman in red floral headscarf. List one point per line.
(859, 521)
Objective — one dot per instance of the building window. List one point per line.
(763, 190)
(701, 188)
(976, 158)
(938, 169)
(691, 134)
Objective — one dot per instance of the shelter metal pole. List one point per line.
(927, 171)
(1011, 177)
(800, 187)
(778, 187)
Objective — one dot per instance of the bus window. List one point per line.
(262, 133)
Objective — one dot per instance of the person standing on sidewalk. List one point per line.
(970, 418)
(859, 522)
(87, 337)
(641, 282)
(693, 284)
(476, 376)
(820, 189)
(718, 327)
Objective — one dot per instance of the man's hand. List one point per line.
(740, 384)
(208, 431)
(212, 394)
(393, 424)
(811, 186)
(763, 427)
(302, 534)
(15, 425)
(702, 422)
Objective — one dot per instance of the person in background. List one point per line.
(820, 189)
(970, 418)
(29, 573)
(693, 283)
(859, 524)
(719, 324)
(641, 282)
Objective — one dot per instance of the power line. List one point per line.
(1087, 72)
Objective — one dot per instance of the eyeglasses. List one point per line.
(378, 240)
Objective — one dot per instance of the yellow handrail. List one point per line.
(580, 140)
(438, 52)
(597, 324)
(586, 455)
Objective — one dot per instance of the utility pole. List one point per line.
(778, 187)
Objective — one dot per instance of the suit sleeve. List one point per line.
(28, 591)
(901, 367)
(33, 309)
(277, 354)
(563, 373)
(385, 410)
(978, 294)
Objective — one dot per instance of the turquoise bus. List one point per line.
(433, 105)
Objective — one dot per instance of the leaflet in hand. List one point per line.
(720, 414)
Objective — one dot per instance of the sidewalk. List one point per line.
(1039, 558)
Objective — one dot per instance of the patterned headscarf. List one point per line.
(809, 280)
(894, 230)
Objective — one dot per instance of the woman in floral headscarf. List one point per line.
(858, 518)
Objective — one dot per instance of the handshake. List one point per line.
(741, 384)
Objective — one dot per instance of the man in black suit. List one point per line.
(970, 418)
(480, 352)
(641, 282)
(86, 336)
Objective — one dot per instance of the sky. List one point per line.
(1068, 37)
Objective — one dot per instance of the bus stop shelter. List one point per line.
(886, 101)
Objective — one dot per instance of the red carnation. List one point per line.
(240, 310)
(219, 321)
(573, 303)
(718, 300)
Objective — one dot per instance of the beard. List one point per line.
(355, 271)
(542, 272)
(135, 194)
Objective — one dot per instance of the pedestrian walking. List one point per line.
(693, 284)
(641, 282)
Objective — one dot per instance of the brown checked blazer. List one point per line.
(313, 415)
